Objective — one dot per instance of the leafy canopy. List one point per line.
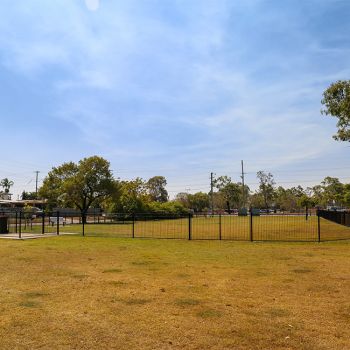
(336, 99)
(156, 187)
(80, 185)
(6, 184)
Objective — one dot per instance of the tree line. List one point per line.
(90, 184)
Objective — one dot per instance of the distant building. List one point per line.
(5, 196)
(8, 203)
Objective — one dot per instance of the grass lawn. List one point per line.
(98, 293)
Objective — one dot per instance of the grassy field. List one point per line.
(96, 293)
(283, 228)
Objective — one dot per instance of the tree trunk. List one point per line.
(83, 217)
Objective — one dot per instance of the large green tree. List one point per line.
(134, 197)
(336, 99)
(81, 185)
(266, 187)
(156, 187)
(28, 195)
(182, 197)
(198, 201)
(231, 192)
(346, 196)
(290, 199)
(333, 191)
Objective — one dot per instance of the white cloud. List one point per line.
(92, 5)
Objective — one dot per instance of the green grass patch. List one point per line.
(35, 294)
(112, 271)
(209, 313)
(187, 302)
(137, 301)
(277, 312)
(29, 304)
(302, 270)
(117, 283)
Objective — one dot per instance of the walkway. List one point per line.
(33, 235)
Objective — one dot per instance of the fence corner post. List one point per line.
(189, 226)
(220, 228)
(133, 225)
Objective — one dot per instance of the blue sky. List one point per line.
(177, 88)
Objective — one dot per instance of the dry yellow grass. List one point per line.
(96, 293)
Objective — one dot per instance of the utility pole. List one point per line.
(243, 189)
(212, 192)
(36, 183)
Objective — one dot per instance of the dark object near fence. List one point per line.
(255, 212)
(243, 212)
(339, 217)
(3, 224)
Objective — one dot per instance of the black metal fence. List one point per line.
(339, 217)
(323, 226)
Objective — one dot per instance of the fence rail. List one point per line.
(322, 226)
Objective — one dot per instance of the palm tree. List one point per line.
(6, 184)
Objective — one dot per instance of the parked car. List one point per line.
(36, 212)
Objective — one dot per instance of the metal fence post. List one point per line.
(83, 221)
(43, 223)
(58, 222)
(16, 228)
(133, 225)
(189, 226)
(220, 229)
(20, 225)
(318, 226)
(251, 225)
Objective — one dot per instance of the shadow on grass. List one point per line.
(302, 270)
(137, 301)
(277, 312)
(29, 304)
(208, 313)
(117, 283)
(187, 302)
(35, 294)
(112, 271)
